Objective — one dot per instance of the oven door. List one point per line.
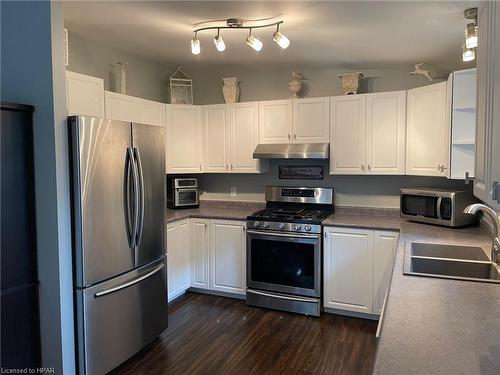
(284, 262)
(186, 197)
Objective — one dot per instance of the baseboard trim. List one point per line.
(217, 293)
(351, 313)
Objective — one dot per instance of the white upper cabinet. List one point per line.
(244, 137)
(228, 256)
(84, 95)
(216, 138)
(427, 149)
(348, 134)
(386, 133)
(311, 120)
(184, 138)
(275, 121)
(487, 171)
(133, 109)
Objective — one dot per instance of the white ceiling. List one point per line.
(333, 34)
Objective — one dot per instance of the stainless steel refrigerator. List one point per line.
(118, 194)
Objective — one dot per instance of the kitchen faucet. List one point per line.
(495, 247)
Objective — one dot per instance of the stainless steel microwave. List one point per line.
(436, 206)
(182, 192)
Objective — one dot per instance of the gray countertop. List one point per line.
(430, 325)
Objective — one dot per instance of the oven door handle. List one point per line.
(295, 235)
(301, 299)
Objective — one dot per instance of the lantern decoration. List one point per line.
(181, 88)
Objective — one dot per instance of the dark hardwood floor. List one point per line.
(218, 335)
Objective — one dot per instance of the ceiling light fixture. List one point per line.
(238, 23)
(280, 39)
(195, 45)
(253, 42)
(219, 42)
(468, 54)
(471, 29)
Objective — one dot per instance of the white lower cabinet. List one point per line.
(357, 268)
(200, 254)
(228, 256)
(178, 258)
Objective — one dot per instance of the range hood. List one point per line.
(292, 151)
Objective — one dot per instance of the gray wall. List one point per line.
(33, 73)
(145, 78)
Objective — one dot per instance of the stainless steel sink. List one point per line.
(450, 261)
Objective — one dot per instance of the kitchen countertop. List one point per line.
(430, 325)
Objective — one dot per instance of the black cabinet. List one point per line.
(19, 299)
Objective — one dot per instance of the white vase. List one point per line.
(231, 90)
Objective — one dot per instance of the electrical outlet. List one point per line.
(233, 191)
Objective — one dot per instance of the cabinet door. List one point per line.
(151, 112)
(184, 138)
(216, 138)
(386, 133)
(347, 134)
(121, 107)
(243, 137)
(178, 258)
(311, 120)
(275, 121)
(199, 253)
(428, 143)
(384, 250)
(228, 256)
(348, 270)
(84, 95)
(487, 171)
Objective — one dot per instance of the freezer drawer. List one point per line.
(119, 317)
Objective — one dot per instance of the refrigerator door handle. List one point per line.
(136, 197)
(129, 283)
(141, 193)
(128, 192)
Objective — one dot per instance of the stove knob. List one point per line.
(266, 225)
(297, 227)
(307, 228)
(281, 225)
(256, 224)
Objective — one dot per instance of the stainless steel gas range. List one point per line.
(284, 249)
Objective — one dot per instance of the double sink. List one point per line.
(450, 262)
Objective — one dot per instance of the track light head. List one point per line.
(253, 42)
(219, 42)
(195, 45)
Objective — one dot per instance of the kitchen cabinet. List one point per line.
(200, 253)
(178, 258)
(487, 171)
(216, 138)
(275, 121)
(427, 147)
(84, 95)
(311, 120)
(462, 122)
(228, 256)
(184, 138)
(305, 120)
(243, 123)
(368, 133)
(357, 268)
(384, 251)
(133, 109)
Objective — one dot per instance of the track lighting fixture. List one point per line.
(253, 42)
(471, 39)
(219, 42)
(280, 39)
(195, 45)
(237, 23)
(471, 35)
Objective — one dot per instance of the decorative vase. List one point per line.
(350, 82)
(295, 85)
(231, 90)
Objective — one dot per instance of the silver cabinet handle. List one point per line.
(200, 167)
(231, 167)
(130, 283)
(363, 167)
(141, 193)
(226, 167)
(294, 136)
(495, 194)
(289, 136)
(369, 167)
(468, 178)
